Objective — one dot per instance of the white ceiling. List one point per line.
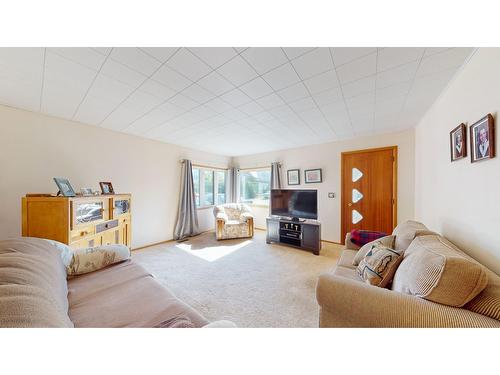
(231, 101)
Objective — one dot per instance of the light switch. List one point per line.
(331, 195)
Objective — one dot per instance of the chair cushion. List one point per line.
(406, 232)
(379, 265)
(385, 241)
(434, 270)
(33, 287)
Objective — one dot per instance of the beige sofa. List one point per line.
(233, 220)
(346, 301)
(35, 292)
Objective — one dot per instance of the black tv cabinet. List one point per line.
(301, 234)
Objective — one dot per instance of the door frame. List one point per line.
(394, 184)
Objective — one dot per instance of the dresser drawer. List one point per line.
(82, 232)
(105, 226)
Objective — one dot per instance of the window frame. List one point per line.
(215, 184)
(249, 170)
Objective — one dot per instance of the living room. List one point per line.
(183, 183)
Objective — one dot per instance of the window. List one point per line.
(209, 186)
(255, 186)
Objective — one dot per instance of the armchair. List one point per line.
(233, 220)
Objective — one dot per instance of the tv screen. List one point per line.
(295, 203)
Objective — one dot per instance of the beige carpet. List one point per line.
(247, 281)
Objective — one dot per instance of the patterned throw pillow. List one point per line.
(379, 265)
(94, 258)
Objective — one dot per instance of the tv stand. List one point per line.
(304, 234)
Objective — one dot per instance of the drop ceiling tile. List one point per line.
(214, 56)
(204, 111)
(263, 117)
(157, 89)
(344, 55)
(251, 109)
(215, 83)
(281, 77)
(390, 106)
(361, 86)
(135, 59)
(162, 54)
(235, 114)
(235, 97)
(102, 50)
(391, 92)
(313, 63)
(198, 94)
(294, 52)
(256, 88)
(109, 89)
(400, 74)
(450, 59)
(188, 64)
(328, 97)
(389, 58)
(263, 59)
(121, 73)
(94, 109)
(183, 102)
(270, 101)
(293, 93)
(22, 64)
(361, 101)
(434, 50)
(322, 82)
(171, 78)
(240, 49)
(218, 105)
(357, 69)
(83, 56)
(237, 71)
(303, 104)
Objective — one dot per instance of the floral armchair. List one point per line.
(233, 220)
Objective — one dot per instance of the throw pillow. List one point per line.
(385, 241)
(65, 251)
(361, 237)
(94, 258)
(379, 265)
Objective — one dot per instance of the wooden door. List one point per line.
(369, 190)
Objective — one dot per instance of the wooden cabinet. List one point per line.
(79, 221)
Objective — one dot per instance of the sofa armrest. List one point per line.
(246, 215)
(349, 244)
(221, 216)
(349, 303)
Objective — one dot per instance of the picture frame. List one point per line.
(313, 176)
(106, 188)
(65, 188)
(293, 177)
(86, 192)
(458, 142)
(482, 139)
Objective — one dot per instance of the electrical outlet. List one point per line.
(331, 195)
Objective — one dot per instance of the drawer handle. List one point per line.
(83, 233)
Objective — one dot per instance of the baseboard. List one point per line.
(165, 241)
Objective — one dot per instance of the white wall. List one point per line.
(327, 157)
(34, 148)
(461, 200)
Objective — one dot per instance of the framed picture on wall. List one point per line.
(293, 176)
(482, 139)
(312, 176)
(458, 143)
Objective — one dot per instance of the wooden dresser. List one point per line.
(79, 221)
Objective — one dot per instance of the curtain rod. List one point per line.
(248, 169)
(205, 166)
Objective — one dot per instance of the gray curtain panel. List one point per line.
(187, 217)
(275, 178)
(233, 186)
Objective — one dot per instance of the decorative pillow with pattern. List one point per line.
(94, 258)
(379, 265)
(387, 241)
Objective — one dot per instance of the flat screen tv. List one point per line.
(297, 204)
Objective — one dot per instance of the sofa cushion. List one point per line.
(33, 288)
(379, 265)
(348, 272)
(347, 258)
(434, 270)
(124, 295)
(385, 241)
(94, 258)
(406, 232)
